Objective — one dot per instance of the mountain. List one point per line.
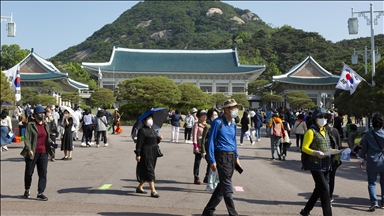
(211, 24)
(168, 25)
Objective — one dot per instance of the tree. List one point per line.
(49, 86)
(254, 87)
(44, 100)
(191, 96)
(76, 72)
(218, 99)
(72, 97)
(241, 99)
(299, 99)
(6, 92)
(102, 97)
(11, 55)
(28, 95)
(149, 91)
(271, 98)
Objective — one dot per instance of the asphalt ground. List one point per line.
(102, 181)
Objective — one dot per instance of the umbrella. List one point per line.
(6, 104)
(72, 112)
(159, 115)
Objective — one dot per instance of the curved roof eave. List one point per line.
(77, 85)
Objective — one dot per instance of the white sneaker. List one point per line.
(83, 144)
(253, 143)
(106, 144)
(258, 140)
(92, 143)
(185, 141)
(241, 144)
(97, 146)
(5, 148)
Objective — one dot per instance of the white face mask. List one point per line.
(234, 113)
(321, 121)
(149, 123)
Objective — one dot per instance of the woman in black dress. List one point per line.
(146, 156)
(66, 142)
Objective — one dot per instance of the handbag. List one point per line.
(159, 154)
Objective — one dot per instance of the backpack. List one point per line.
(277, 129)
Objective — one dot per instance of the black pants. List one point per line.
(332, 175)
(53, 138)
(41, 160)
(225, 164)
(196, 167)
(321, 190)
(104, 134)
(187, 133)
(113, 127)
(301, 138)
(87, 129)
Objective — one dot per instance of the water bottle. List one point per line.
(346, 155)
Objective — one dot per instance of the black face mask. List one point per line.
(40, 116)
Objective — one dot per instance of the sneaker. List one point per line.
(302, 213)
(97, 146)
(373, 207)
(26, 194)
(42, 197)
(83, 144)
(5, 148)
(91, 143)
(283, 157)
(253, 143)
(241, 144)
(106, 144)
(197, 181)
(258, 140)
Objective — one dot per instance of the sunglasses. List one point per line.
(323, 116)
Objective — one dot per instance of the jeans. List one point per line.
(372, 178)
(268, 131)
(275, 142)
(41, 161)
(225, 167)
(321, 191)
(242, 136)
(258, 132)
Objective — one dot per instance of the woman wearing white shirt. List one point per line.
(5, 127)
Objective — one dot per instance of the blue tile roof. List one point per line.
(41, 76)
(173, 61)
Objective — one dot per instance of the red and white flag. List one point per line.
(349, 80)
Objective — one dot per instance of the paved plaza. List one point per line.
(102, 181)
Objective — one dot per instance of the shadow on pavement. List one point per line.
(3, 196)
(90, 190)
(135, 213)
(18, 159)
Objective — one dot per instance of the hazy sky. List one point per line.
(51, 27)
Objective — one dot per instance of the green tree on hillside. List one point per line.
(49, 86)
(192, 96)
(103, 97)
(11, 55)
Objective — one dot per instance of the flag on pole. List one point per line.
(13, 75)
(100, 74)
(321, 104)
(17, 84)
(349, 80)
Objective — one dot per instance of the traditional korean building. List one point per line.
(213, 71)
(308, 76)
(34, 69)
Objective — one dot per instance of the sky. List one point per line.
(53, 26)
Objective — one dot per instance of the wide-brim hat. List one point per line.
(231, 103)
(320, 111)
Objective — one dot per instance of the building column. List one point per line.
(230, 87)
(214, 87)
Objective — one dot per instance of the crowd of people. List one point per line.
(212, 134)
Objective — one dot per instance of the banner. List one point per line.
(13, 75)
(349, 80)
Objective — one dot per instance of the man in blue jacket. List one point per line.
(373, 148)
(267, 119)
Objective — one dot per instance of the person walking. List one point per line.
(116, 119)
(252, 114)
(175, 122)
(189, 121)
(299, 129)
(335, 141)
(285, 142)
(88, 122)
(77, 114)
(258, 123)
(316, 143)
(197, 139)
(223, 156)
(268, 117)
(67, 141)
(373, 150)
(5, 127)
(37, 147)
(277, 132)
(245, 128)
(146, 156)
(101, 128)
(52, 122)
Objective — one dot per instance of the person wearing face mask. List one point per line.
(316, 143)
(223, 157)
(67, 141)
(146, 156)
(197, 139)
(36, 150)
(49, 119)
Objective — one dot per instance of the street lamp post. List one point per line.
(371, 21)
(11, 26)
(365, 55)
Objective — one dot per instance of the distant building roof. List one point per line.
(173, 61)
(308, 72)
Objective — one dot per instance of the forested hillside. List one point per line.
(215, 25)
